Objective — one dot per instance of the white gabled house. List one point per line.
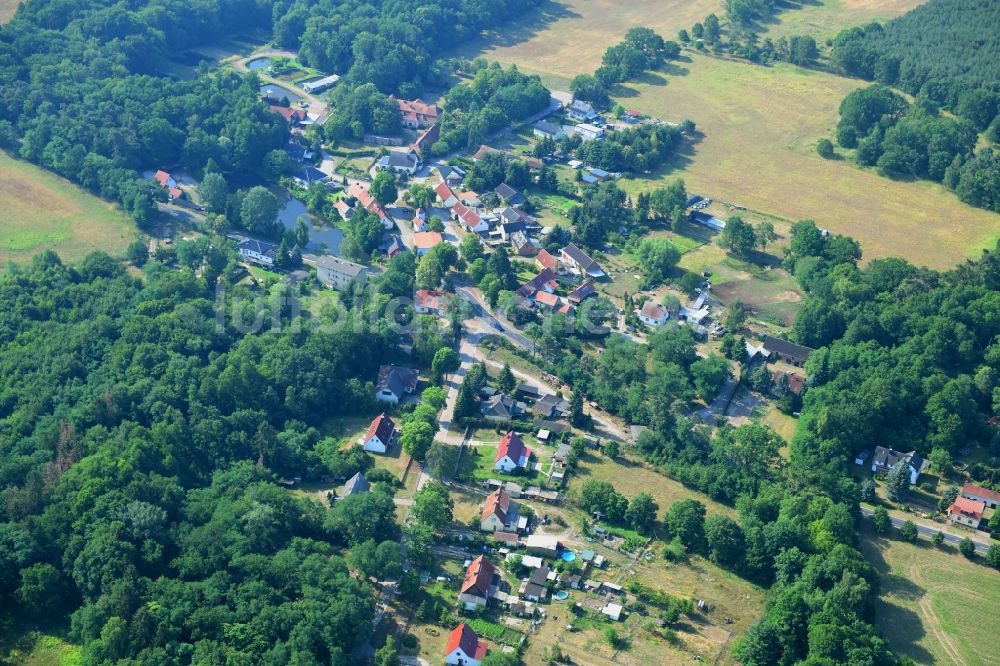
(380, 435)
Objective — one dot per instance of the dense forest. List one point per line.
(84, 97)
(944, 54)
(140, 440)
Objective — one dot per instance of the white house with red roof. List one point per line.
(965, 512)
(511, 453)
(164, 180)
(380, 435)
(445, 195)
(291, 116)
(990, 498)
(469, 218)
(654, 314)
(425, 240)
(358, 190)
(546, 261)
(497, 512)
(464, 647)
(475, 590)
(429, 301)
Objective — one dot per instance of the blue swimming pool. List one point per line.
(569, 556)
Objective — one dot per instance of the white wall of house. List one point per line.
(385, 395)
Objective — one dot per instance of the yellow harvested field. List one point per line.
(562, 39)
(8, 8)
(758, 130)
(43, 211)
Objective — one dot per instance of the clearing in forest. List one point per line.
(43, 211)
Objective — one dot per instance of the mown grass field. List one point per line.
(40, 649)
(757, 147)
(43, 211)
(935, 606)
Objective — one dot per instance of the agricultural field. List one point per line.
(933, 602)
(43, 211)
(562, 39)
(825, 19)
(758, 128)
(8, 8)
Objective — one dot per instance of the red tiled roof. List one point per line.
(383, 427)
(162, 177)
(496, 504)
(443, 191)
(427, 239)
(565, 309)
(512, 445)
(545, 298)
(581, 292)
(418, 110)
(365, 198)
(653, 310)
(546, 260)
(478, 576)
(175, 192)
(968, 507)
(428, 298)
(469, 217)
(428, 138)
(463, 637)
(979, 491)
(289, 114)
(483, 149)
(796, 383)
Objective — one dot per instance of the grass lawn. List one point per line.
(934, 602)
(38, 649)
(43, 211)
(630, 479)
(759, 127)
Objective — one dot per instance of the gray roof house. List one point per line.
(356, 484)
(399, 161)
(886, 458)
(509, 194)
(395, 383)
(502, 407)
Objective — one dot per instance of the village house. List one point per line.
(427, 139)
(521, 245)
(470, 198)
(417, 114)
(587, 132)
(533, 588)
(509, 195)
(338, 273)
(425, 240)
(886, 458)
(445, 194)
(965, 512)
(380, 435)
(580, 261)
(511, 215)
(451, 175)
(544, 281)
(292, 116)
(420, 220)
(789, 352)
(511, 453)
(356, 484)
(475, 590)
(653, 314)
(164, 180)
(345, 210)
(546, 300)
(613, 611)
(990, 498)
(796, 383)
(581, 293)
(395, 383)
(484, 150)
(258, 252)
(502, 407)
(544, 260)
(582, 111)
(464, 647)
(546, 130)
(469, 218)
(498, 513)
(399, 161)
(550, 407)
(359, 192)
(430, 301)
